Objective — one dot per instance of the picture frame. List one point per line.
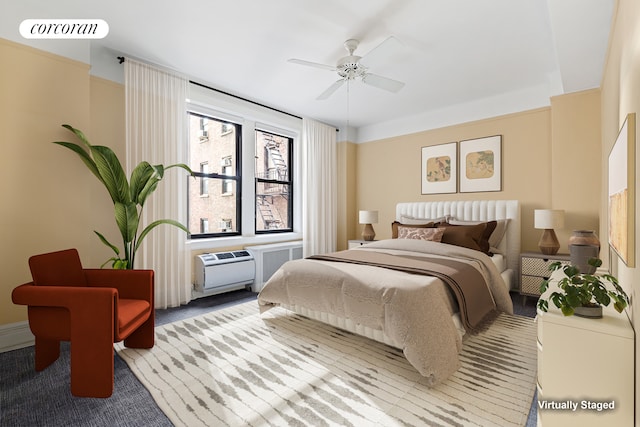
(621, 192)
(481, 164)
(439, 169)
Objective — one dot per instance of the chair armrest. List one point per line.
(133, 284)
(70, 297)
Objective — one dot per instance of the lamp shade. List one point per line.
(368, 217)
(548, 219)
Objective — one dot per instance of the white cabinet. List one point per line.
(269, 258)
(585, 362)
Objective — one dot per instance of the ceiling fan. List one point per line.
(352, 66)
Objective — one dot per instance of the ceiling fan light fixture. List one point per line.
(350, 67)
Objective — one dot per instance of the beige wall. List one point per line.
(49, 199)
(346, 154)
(575, 161)
(388, 171)
(107, 128)
(620, 96)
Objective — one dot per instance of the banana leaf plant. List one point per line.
(128, 196)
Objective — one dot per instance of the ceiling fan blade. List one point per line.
(331, 89)
(382, 82)
(312, 64)
(381, 53)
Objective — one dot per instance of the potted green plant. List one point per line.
(128, 196)
(583, 294)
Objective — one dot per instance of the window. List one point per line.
(273, 182)
(226, 128)
(252, 159)
(226, 224)
(203, 135)
(204, 181)
(214, 196)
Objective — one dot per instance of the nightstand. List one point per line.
(356, 243)
(534, 268)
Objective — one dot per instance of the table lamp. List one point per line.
(548, 220)
(367, 218)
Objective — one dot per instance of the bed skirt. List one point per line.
(358, 329)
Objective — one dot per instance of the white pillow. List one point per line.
(406, 219)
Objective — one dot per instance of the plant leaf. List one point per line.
(150, 185)
(112, 174)
(127, 219)
(88, 161)
(571, 270)
(154, 224)
(106, 242)
(543, 305)
(566, 310)
(120, 264)
(180, 165)
(595, 262)
(544, 286)
(555, 265)
(140, 176)
(79, 134)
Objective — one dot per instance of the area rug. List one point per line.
(235, 367)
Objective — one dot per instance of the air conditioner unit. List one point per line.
(223, 271)
(270, 257)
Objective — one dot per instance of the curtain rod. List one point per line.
(121, 59)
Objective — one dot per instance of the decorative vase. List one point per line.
(584, 245)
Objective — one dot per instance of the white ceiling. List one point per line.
(461, 59)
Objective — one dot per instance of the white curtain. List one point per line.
(319, 211)
(155, 130)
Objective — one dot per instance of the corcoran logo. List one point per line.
(64, 29)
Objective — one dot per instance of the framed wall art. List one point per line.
(481, 164)
(439, 169)
(622, 192)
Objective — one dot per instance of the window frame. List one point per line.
(223, 178)
(289, 182)
(204, 100)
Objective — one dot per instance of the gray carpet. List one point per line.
(29, 398)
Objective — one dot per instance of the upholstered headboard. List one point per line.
(474, 210)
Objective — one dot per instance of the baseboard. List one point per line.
(15, 335)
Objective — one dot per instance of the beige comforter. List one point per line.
(414, 311)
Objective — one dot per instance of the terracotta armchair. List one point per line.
(92, 308)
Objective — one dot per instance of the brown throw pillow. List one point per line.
(497, 234)
(468, 236)
(396, 224)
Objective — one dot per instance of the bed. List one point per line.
(421, 296)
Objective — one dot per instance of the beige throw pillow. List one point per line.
(430, 234)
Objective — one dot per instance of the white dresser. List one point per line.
(585, 362)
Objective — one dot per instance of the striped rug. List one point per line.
(235, 367)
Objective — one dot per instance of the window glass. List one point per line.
(273, 182)
(214, 193)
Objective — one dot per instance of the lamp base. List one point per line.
(367, 233)
(548, 243)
